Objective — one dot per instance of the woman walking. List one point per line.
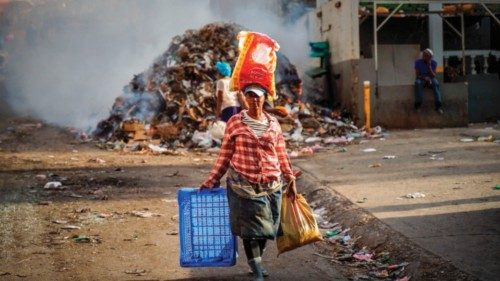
(254, 156)
(229, 102)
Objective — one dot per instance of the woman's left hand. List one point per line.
(292, 189)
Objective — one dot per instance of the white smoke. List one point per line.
(81, 53)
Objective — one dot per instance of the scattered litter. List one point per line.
(332, 233)
(415, 195)
(104, 215)
(97, 160)
(343, 149)
(144, 214)
(173, 232)
(376, 165)
(41, 177)
(376, 265)
(161, 150)
(436, 157)
(70, 227)
(54, 185)
(389, 157)
(406, 278)
(320, 212)
(81, 238)
(362, 200)
(138, 272)
(466, 139)
(313, 139)
(497, 187)
(60, 221)
(489, 138)
(380, 274)
(362, 256)
(346, 238)
(86, 239)
(369, 150)
(327, 224)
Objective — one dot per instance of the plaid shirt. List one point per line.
(258, 160)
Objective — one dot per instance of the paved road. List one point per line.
(459, 217)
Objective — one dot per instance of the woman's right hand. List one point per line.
(205, 187)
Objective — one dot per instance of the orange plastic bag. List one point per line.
(298, 225)
(256, 62)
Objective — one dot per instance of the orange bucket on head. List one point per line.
(256, 62)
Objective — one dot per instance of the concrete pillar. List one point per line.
(340, 27)
(436, 35)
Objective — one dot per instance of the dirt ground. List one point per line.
(105, 192)
(102, 191)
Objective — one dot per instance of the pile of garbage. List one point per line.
(172, 103)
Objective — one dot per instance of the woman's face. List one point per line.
(254, 101)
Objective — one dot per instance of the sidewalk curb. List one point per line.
(377, 236)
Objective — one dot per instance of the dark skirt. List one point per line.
(254, 218)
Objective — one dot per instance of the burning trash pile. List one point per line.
(172, 104)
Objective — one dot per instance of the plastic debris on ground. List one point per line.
(144, 214)
(86, 238)
(54, 185)
(363, 263)
(415, 195)
(362, 200)
(436, 157)
(369, 150)
(389, 157)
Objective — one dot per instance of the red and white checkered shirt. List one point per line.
(258, 160)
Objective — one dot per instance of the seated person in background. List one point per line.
(425, 69)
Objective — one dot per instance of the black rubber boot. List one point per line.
(256, 266)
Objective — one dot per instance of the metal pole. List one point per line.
(389, 16)
(375, 45)
(462, 24)
(451, 26)
(491, 13)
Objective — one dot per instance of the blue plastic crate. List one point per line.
(204, 230)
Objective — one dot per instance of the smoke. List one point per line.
(78, 54)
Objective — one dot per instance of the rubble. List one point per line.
(172, 103)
